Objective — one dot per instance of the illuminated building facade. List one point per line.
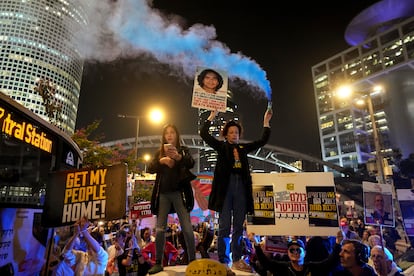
(37, 42)
(208, 157)
(382, 54)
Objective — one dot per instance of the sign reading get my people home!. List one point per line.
(98, 194)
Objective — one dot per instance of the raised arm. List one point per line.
(205, 134)
(267, 116)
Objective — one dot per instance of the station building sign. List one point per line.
(23, 130)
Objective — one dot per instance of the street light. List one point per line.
(346, 91)
(147, 158)
(155, 116)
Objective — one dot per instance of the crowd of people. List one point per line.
(131, 250)
(126, 248)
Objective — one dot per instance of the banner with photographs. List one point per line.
(378, 204)
(210, 89)
(303, 204)
(406, 200)
(264, 206)
(99, 194)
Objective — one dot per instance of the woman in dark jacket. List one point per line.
(172, 192)
(231, 193)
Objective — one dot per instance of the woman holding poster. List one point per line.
(231, 192)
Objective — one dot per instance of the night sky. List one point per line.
(284, 41)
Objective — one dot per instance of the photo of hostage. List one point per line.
(210, 81)
(379, 215)
(93, 261)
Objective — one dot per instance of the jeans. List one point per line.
(165, 201)
(234, 204)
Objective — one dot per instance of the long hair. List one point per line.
(202, 75)
(163, 141)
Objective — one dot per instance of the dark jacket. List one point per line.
(179, 169)
(225, 161)
(366, 271)
(309, 268)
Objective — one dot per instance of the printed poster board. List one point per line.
(23, 241)
(205, 98)
(301, 204)
(378, 204)
(406, 200)
(99, 194)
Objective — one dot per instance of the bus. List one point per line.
(30, 149)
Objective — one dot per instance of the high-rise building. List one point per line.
(37, 42)
(208, 157)
(382, 54)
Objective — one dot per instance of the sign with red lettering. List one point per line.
(210, 89)
(141, 210)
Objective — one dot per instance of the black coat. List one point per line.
(224, 164)
(285, 268)
(184, 187)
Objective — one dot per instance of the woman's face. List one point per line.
(210, 81)
(170, 136)
(233, 135)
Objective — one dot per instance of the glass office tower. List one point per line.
(208, 158)
(37, 42)
(382, 55)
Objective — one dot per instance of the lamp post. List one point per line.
(137, 131)
(378, 159)
(155, 115)
(346, 91)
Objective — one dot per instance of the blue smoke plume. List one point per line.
(130, 28)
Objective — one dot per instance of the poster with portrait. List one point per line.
(406, 201)
(303, 204)
(210, 89)
(378, 204)
(264, 207)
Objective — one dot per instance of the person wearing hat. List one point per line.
(296, 264)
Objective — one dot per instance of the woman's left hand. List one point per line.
(167, 161)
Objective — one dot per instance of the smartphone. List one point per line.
(167, 146)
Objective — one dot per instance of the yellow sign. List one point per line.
(206, 267)
(24, 131)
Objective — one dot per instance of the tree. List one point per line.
(47, 90)
(95, 155)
